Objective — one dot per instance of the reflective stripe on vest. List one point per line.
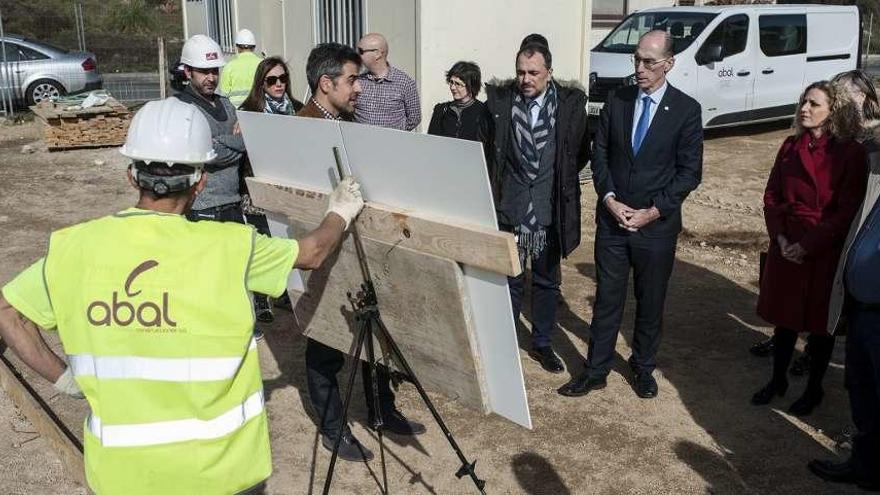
(160, 369)
(181, 430)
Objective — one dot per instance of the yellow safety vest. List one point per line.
(237, 77)
(159, 339)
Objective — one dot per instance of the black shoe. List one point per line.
(349, 448)
(284, 302)
(547, 358)
(395, 422)
(806, 403)
(800, 366)
(763, 348)
(258, 334)
(842, 472)
(765, 395)
(645, 385)
(263, 309)
(582, 385)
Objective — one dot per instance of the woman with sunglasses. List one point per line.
(465, 117)
(856, 281)
(270, 93)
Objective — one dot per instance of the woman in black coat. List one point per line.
(465, 117)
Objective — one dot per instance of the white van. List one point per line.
(744, 63)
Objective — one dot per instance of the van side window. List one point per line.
(783, 34)
(732, 34)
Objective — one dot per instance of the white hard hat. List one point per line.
(202, 52)
(245, 38)
(169, 131)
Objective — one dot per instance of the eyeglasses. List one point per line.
(362, 51)
(457, 84)
(214, 70)
(271, 80)
(649, 62)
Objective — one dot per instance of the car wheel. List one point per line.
(43, 89)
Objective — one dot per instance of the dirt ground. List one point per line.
(700, 435)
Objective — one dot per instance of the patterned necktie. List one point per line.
(644, 123)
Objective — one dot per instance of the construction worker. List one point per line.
(237, 76)
(202, 59)
(153, 314)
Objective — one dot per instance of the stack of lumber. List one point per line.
(67, 127)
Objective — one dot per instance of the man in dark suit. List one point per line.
(648, 156)
(541, 143)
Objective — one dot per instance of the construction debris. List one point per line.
(67, 127)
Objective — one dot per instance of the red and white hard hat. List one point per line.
(202, 52)
(169, 131)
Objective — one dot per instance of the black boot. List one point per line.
(820, 348)
(783, 348)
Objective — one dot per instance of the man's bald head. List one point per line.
(658, 40)
(373, 49)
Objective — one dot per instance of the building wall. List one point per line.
(489, 32)
(397, 21)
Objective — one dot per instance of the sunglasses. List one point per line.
(271, 80)
(362, 51)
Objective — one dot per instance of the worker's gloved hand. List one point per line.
(67, 385)
(346, 200)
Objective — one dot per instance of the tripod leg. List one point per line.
(378, 424)
(467, 468)
(362, 331)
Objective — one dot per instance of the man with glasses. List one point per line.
(390, 97)
(647, 158)
(541, 143)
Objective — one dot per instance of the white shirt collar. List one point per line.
(540, 98)
(656, 96)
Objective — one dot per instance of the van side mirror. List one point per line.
(710, 53)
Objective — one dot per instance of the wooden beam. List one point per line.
(472, 245)
(50, 427)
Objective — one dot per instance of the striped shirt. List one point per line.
(388, 101)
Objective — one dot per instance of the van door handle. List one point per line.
(767, 71)
(743, 73)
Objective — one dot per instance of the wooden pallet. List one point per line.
(99, 126)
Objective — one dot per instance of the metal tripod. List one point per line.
(370, 325)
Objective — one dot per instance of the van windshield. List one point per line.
(683, 27)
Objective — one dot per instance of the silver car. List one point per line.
(36, 71)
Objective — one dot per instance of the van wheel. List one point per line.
(42, 90)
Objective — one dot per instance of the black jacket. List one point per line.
(572, 154)
(475, 123)
(668, 167)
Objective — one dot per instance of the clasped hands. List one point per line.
(630, 219)
(792, 251)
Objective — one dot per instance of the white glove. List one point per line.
(346, 200)
(67, 385)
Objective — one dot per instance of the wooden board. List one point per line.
(65, 443)
(435, 333)
(399, 227)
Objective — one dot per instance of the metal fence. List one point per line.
(63, 46)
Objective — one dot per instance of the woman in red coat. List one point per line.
(812, 195)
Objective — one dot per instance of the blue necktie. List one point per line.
(644, 123)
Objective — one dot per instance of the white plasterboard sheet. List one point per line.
(428, 174)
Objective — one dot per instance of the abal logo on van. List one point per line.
(725, 72)
(125, 312)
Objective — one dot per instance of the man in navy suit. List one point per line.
(647, 157)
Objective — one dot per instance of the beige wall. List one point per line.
(489, 32)
(397, 21)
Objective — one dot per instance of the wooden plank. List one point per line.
(50, 427)
(471, 245)
(436, 334)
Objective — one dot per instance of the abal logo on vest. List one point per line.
(125, 312)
